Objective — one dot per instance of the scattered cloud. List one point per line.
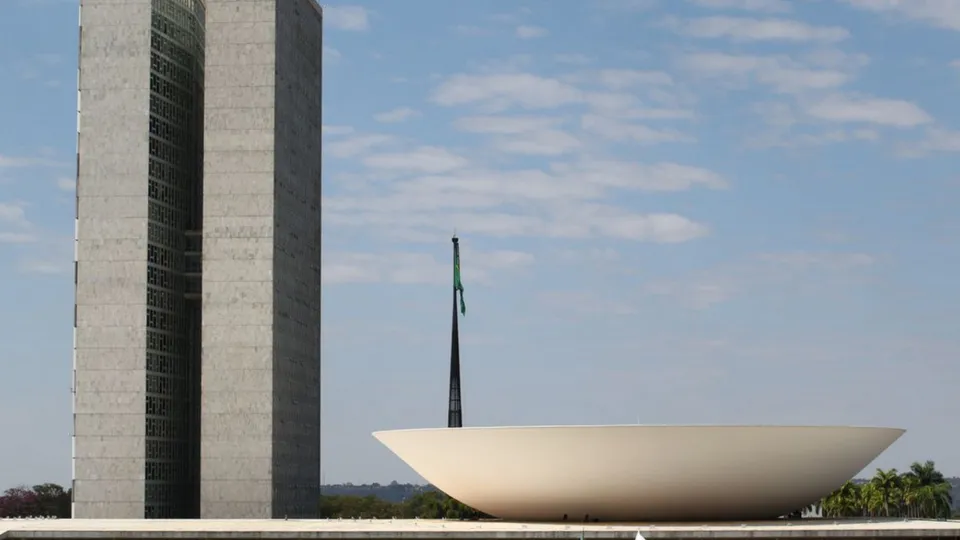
(750, 29)
(417, 268)
(585, 304)
(424, 159)
(356, 145)
(763, 6)
(15, 228)
(530, 32)
(573, 58)
(67, 183)
(336, 130)
(346, 17)
(331, 55)
(935, 140)
(397, 115)
(783, 74)
(7, 161)
(938, 13)
(501, 91)
(13, 214)
(869, 110)
(781, 271)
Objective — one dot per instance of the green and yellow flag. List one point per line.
(457, 283)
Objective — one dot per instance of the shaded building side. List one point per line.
(136, 355)
(260, 398)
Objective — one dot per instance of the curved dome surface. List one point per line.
(636, 472)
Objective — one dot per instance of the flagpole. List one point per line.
(454, 409)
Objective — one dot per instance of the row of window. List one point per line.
(160, 149)
(165, 236)
(166, 407)
(165, 299)
(165, 343)
(163, 193)
(179, 35)
(165, 257)
(167, 449)
(165, 471)
(166, 110)
(182, 14)
(166, 322)
(173, 51)
(166, 130)
(163, 278)
(171, 175)
(167, 364)
(166, 215)
(171, 92)
(163, 428)
(162, 67)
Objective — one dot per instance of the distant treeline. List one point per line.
(393, 492)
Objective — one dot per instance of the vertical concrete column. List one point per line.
(111, 259)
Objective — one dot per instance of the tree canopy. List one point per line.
(423, 505)
(919, 492)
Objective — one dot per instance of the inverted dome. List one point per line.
(639, 473)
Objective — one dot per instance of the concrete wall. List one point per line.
(109, 354)
(260, 403)
(296, 262)
(238, 229)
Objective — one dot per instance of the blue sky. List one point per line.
(703, 211)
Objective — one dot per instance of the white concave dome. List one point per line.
(636, 472)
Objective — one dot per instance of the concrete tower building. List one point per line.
(197, 341)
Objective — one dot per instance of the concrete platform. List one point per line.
(83, 529)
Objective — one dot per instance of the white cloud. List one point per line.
(509, 125)
(417, 268)
(396, 115)
(788, 270)
(543, 142)
(346, 17)
(564, 202)
(616, 130)
(940, 13)
(530, 32)
(618, 79)
(936, 140)
(573, 58)
(16, 238)
(22, 161)
(526, 135)
(13, 214)
(336, 130)
(766, 6)
(356, 145)
(331, 55)
(501, 91)
(750, 29)
(425, 159)
(888, 112)
(783, 74)
(67, 183)
(663, 176)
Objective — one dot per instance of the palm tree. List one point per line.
(885, 487)
(926, 493)
(844, 502)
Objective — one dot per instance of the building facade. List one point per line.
(196, 355)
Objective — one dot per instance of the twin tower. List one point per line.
(197, 321)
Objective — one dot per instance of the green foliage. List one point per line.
(423, 505)
(921, 492)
